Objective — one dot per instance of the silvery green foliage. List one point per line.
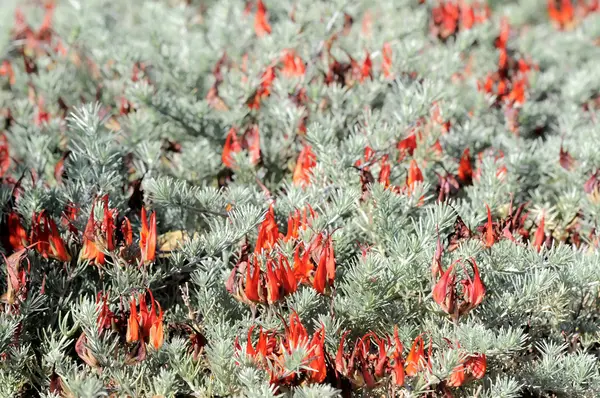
(166, 153)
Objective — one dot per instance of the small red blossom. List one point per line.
(4, 155)
(145, 326)
(414, 175)
(261, 21)
(540, 236)
(148, 237)
(446, 295)
(465, 170)
(306, 161)
(470, 367)
(45, 235)
(17, 235)
(232, 146)
(293, 66)
(386, 64)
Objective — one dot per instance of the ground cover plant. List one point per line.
(299, 198)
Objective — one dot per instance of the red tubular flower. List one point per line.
(293, 66)
(252, 287)
(146, 326)
(325, 273)
(471, 367)
(4, 155)
(106, 315)
(386, 65)
(156, 333)
(319, 369)
(273, 284)
(385, 171)
(49, 243)
(133, 327)
(465, 170)
(261, 22)
(436, 263)
(540, 236)
(414, 175)
(17, 235)
(490, 236)
(295, 333)
(306, 161)
(303, 267)
(473, 290)
(407, 146)
(148, 237)
(90, 250)
(365, 70)
(416, 357)
(268, 232)
(232, 145)
(397, 362)
(443, 291)
(286, 276)
(127, 232)
(108, 225)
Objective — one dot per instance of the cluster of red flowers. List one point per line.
(565, 15)
(250, 142)
(414, 174)
(509, 83)
(143, 327)
(97, 238)
(370, 360)
(446, 294)
(451, 16)
(313, 264)
(271, 348)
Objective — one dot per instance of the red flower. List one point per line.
(298, 221)
(148, 237)
(45, 235)
(540, 236)
(325, 272)
(306, 161)
(17, 235)
(365, 70)
(397, 362)
(232, 145)
(407, 146)
(445, 291)
(319, 369)
(268, 232)
(293, 66)
(414, 175)
(386, 65)
(4, 155)
(471, 367)
(261, 22)
(416, 360)
(490, 236)
(146, 326)
(127, 232)
(106, 316)
(465, 170)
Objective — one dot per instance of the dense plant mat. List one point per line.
(299, 198)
